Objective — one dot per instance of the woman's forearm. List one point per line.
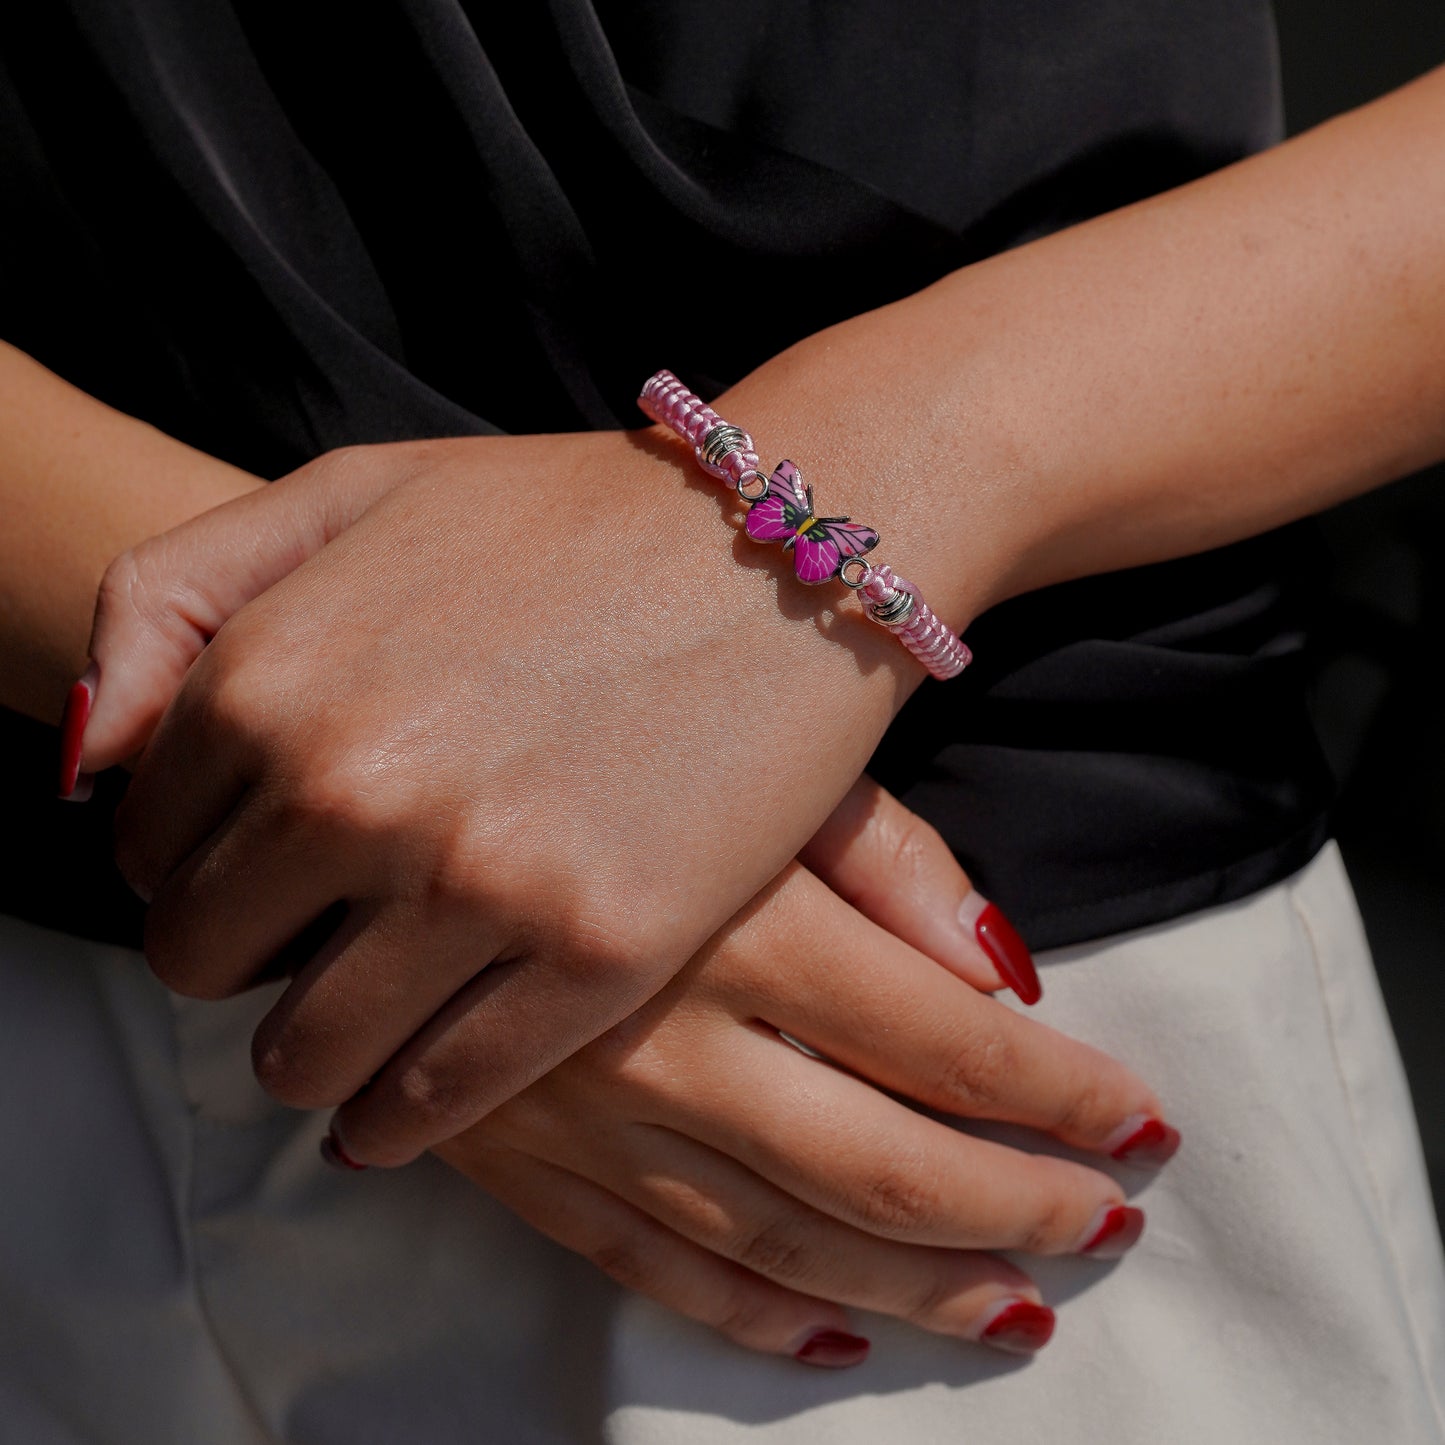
(79, 483)
(1199, 367)
(1180, 373)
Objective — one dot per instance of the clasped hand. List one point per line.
(495, 714)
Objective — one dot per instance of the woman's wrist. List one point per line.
(1173, 376)
(79, 483)
(781, 508)
(857, 408)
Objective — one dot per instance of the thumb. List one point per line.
(160, 603)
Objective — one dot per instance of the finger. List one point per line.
(895, 869)
(717, 1203)
(190, 779)
(161, 602)
(866, 1159)
(496, 1036)
(362, 999)
(220, 921)
(645, 1256)
(868, 1002)
(253, 893)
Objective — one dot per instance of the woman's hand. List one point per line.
(744, 1206)
(509, 708)
(699, 1159)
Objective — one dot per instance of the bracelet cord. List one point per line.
(726, 452)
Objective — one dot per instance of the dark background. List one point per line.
(1379, 702)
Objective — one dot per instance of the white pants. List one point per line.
(177, 1266)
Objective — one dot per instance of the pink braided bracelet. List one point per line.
(780, 509)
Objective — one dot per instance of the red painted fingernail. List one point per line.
(75, 787)
(999, 939)
(833, 1350)
(1144, 1141)
(336, 1156)
(1113, 1232)
(1019, 1326)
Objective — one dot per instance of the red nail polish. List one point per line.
(1148, 1143)
(1114, 1232)
(999, 939)
(73, 787)
(833, 1350)
(1020, 1327)
(336, 1156)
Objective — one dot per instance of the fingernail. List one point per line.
(1017, 1325)
(998, 938)
(833, 1350)
(336, 1156)
(1113, 1231)
(1144, 1141)
(75, 787)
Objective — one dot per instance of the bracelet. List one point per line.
(780, 509)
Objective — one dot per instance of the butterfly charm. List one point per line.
(820, 545)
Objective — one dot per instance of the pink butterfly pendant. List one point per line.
(820, 545)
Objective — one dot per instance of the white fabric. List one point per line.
(177, 1265)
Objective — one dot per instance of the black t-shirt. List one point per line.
(272, 229)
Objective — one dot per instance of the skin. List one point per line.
(453, 801)
(1173, 376)
(1179, 374)
(744, 1233)
(80, 483)
(763, 1210)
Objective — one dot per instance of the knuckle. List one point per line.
(334, 466)
(339, 459)
(979, 1075)
(933, 1297)
(626, 1261)
(776, 1250)
(235, 694)
(352, 468)
(331, 799)
(902, 853)
(291, 1064)
(604, 945)
(741, 1313)
(897, 1202)
(466, 868)
(142, 583)
(290, 1074)
(909, 845)
(122, 585)
(351, 793)
(441, 1101)
(1044, 1226)
(1077, 1115)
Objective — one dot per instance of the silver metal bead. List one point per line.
(895, 612)
(722, 439)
